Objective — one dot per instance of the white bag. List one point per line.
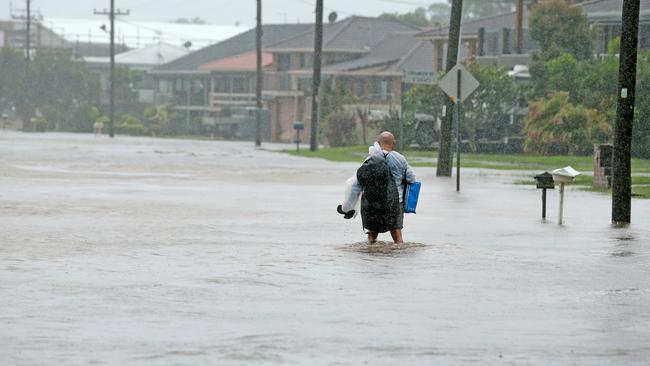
(352, 196)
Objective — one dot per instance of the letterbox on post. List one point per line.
(298, 126)
(544, 181)
(563, 176)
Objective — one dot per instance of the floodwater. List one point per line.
(140, 251)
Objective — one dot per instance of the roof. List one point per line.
(397, 52)
(610, 11)
(135, 34)
(351, 34)
(495, 22)
(152, 55)
(243, 62)
(236, 45)
(594, 9)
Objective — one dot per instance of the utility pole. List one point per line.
(519, 27)
(622, 174)
(445, 153)
(111, 14)
(318, 50)
(29, 30)
(260, 78)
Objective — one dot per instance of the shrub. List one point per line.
(340, 129)
(555, 126)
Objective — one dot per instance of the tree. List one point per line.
(417, 18)
(560, 28)
(70, 86)
(487, 109)
(555, 126)
(339, 126)
(16, 80)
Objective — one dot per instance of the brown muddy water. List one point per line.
(165, 252)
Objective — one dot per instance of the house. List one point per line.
(606, 15)
(140, 59)
(491, 40)
(367, 56)
(14, 34)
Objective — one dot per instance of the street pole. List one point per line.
(111, 122)
(445, 153)
(622, 179)
(458, 128)
(315, 102)
(260, 79)
(111, 14)
(519, 27)
(29, 30)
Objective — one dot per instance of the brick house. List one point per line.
(367, 56)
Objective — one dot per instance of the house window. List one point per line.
(644, 36)
(360, 88)
(238, 85)
(284, 61)
(380, 89)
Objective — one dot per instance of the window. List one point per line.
(284, 61)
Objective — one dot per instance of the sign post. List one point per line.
(458, 84)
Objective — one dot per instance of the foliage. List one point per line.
(131, 129)
(417, 18)
(486, 111)
(16, 85)
(560, 28)
(555, 126)
(401, 125)
(339, 127)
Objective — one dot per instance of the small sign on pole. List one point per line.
(458, 84)
(419, 77)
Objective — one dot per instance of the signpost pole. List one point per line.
(561, 203)
(544, 203)
(458, 124)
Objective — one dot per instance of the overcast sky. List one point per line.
(225, 12)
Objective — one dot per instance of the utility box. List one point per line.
(603, 157)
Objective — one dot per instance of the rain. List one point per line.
(185, 216)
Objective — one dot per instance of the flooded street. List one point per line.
(142, 251)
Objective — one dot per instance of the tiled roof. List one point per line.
(244, 62)
(354, 33)
(241, 43)
(397, 52)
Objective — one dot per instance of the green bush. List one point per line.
(398, 123)
(555, 126)
(340, 129)
(131, 129)
(40, 125)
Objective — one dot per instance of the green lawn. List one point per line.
(640, 184)
(487, 161)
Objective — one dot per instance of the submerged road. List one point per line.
(142, 251)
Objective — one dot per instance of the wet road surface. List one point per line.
(169, 252)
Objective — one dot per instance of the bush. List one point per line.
(40, 125)
(555, 126)
(131, 129)
(340, 129)
(398, 123)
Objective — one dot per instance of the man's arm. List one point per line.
(410, 175)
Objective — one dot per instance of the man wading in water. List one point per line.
(381, 179)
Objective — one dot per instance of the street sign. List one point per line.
(419, 77)
(449, 83)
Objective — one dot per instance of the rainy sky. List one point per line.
(226, 12)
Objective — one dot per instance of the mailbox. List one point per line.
(545, 181)
(298, 126)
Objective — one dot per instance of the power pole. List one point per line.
(519, 27)
(260, 78)
(318, 50)
(111, 14)
(445, 153)
(622, 174)
(29, 30)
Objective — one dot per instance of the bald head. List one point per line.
(386, 141)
